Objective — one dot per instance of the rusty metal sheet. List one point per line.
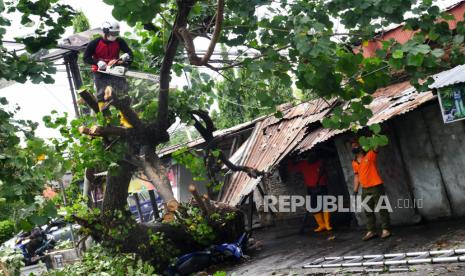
(388, 102)
(274, 139)
(278, 137)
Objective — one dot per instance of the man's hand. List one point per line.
(102, 65)
(356, 184)
(112, 62)
(125, 57)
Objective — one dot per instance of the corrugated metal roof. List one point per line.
(388, 102)
(272, 140)
(275, 138)
(449, 77)
(75, 42)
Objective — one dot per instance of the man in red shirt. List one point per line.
(315, 180)
(103, 52)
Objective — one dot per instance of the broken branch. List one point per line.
(89, 99)
(123, 105)
(208, 203)
(251, 172)
(99, 131)
(198, 198)
(207, 133)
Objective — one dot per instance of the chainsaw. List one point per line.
(122, 71)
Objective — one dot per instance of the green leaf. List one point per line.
(437, 52)
(25, 225)
(38, 220)
(415, 60)
(376, 128)
(422, 48)
(382, 140)
(458, 39)
(398, 54)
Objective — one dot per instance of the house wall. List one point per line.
(293, 184)
(420, 161)
(184, 179)
(440, 174)
(286, 183)
(422, 166)
(391, 171)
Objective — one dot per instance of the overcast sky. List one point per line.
(38, 100)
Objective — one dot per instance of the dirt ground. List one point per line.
(284, 251)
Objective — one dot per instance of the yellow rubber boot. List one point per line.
(319, 220)
(101, 105)
(123, 121)
(326, 216)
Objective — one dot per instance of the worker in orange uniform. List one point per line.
(366, 174)
(315, 179)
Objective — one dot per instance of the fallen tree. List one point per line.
(185, 227)
(294, 42)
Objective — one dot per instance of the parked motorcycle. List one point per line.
(35, 243)
(196, 261)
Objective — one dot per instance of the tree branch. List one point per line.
(99, 131)
(203, 206)
(189, 41)
(124, 106)
(251, 172)
(157, 175)
(207, 133)
(244, 61)
(190, 47)
(90, 100)
(167, 63)
(216, 33)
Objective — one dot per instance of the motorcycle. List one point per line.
(196, 261)
(35, 243)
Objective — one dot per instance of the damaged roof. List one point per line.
(274, 138)
(75, 42)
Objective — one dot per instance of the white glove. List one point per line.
(125, 57)
(102, 65)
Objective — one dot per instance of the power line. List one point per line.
(56, 98)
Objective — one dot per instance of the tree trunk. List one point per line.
(116, 191)
(158, 176)
(117, 229)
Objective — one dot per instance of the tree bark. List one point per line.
(165, 70)
(115, 226)
(117, 184)
(158, 176)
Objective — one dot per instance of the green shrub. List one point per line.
(99, 261)
(7, 229)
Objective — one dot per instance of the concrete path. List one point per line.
(284, 251)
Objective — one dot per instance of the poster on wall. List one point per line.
(451, 100)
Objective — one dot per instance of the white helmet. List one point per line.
(110, 28)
